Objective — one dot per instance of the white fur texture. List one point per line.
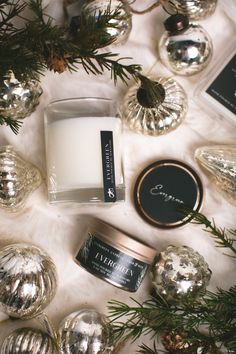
(59, 232)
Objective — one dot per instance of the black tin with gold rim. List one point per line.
(163, 189)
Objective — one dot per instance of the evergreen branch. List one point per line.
(41, 44)
(220, 235)
(215, 312)
(52, 44)
(14, 124)
(97, 63)
(24, 63)
(186, 319)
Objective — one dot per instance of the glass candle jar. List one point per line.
(83, 151)
(114, 256)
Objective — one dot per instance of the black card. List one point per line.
(223, 88)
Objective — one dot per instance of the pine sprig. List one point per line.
(223, 238)
(40, 44)
(213, 313)
(208, 322)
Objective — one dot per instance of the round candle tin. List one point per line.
(114, 256)
(163, 189)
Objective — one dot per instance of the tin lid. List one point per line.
(123, 241)
(163, 189)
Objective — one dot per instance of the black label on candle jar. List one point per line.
(110, 264)
(108, 166)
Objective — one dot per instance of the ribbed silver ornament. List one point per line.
(28, 341)
(28, 280)
(18, 178)
(160, 119)
(194, 9)
(120, 27)
(85, 332)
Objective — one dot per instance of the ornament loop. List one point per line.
(141, 12)
(172, 6)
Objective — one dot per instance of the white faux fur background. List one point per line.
(59, 231)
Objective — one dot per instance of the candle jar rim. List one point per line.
(67, 103)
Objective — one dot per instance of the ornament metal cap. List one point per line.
(176, 23)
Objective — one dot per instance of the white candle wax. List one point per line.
(74, 155)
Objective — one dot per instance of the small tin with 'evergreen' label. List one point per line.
(114, 256)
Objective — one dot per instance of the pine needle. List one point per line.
(15, 125)
(223, 237)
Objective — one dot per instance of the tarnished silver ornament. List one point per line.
(18, 179)
(219, 161)
(194, 9)
(120, 27)
(180, 272)
(28, 280)
(159, 116)
(28, 341)
(18, 99)
(85, 332)
(185, 48)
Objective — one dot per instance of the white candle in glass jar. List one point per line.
(74, 156)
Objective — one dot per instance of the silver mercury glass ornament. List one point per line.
(180, 272)
(194, 9)
(155, 113)
(28, 341)
(18, 99)
(18, 179)
(85, 332)
(120, 27)
(219, 161)
(28, 280)
(184, 48)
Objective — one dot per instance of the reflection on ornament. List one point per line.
(180, 272)
(85, 332)
(220, 163)
(120, 27)
(28, 280)
(155, 117)
(185, 48)
(28, 341)
(18, 99)
(18, 179)
(194, 9)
